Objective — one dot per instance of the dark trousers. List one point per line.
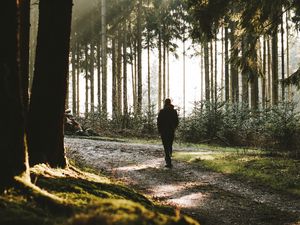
(167, 140)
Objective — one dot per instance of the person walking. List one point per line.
(167, 122)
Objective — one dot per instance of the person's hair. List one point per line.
(167, 101)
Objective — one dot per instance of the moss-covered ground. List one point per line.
(278, 172)
(71, 197)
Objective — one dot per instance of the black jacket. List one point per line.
(167, 120)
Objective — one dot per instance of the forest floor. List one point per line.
(210, 197)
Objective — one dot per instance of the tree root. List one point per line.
(42, 197)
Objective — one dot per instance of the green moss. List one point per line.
(88, 199)
(277, 172)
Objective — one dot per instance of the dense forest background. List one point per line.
(246, 61)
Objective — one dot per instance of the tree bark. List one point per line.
(275, 67)
(206, 71)
(74, 97)
(12, 146)
(104, 56)
(47, 106)
(92, 77)
(125, 101)
(139, 56)
(226, 59)
(86, 81)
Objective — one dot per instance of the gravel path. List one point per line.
(210, 197)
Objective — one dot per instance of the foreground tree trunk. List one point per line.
(12, 148)
(45, 137)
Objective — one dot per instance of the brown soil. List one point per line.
(209, 197)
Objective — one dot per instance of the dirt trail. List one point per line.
(210, 197)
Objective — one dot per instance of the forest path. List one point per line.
(210, 197)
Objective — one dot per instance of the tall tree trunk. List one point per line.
(12, 147)
(263, 82)
(211, 52)
(164, 68)
(206, 69)
(98, 76)
(245, 85)
(202, 72)
(73, 60)
(226, 59)
(47, 105)
(216, 69)
(92, 79)
(104, 56)
(275, 67)
(132, 53)
(183, 83)
(77, 78)
(254, 81)
(86, 81)
(125, 101)
(269, 64)
(288, 53)
(233, 69)
(159, 103)
(282, 59)
(168, 72)
(114, 79)
(139, 56)
(222, 64)
(149, 72)
(119, 73)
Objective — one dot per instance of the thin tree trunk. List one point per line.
(269, 92)
(164, 67)
(47, 107)
(139, 56)
(206, 69)
(274, 67)
(222, 64)
(73, 61)
(263, 83)
(183, 55)
(119, 72)
(168, 72)
(132, 72)
(149, 72)
(226, 74)
(77, 79)
(86, 81)
(288, 53)
(104, 56)
(202, 72)
(92, 78)
(211, 72)
(125, 101)
(99, 76)
(216, 69)
(159, 71)
(282, 60)
(245, 85)
(233, 68)
(114, 80)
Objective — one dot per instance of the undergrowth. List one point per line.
(85, 199)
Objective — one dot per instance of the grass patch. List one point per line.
(87, 199)
(278, 173)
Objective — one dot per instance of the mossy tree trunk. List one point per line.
(47, 106)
